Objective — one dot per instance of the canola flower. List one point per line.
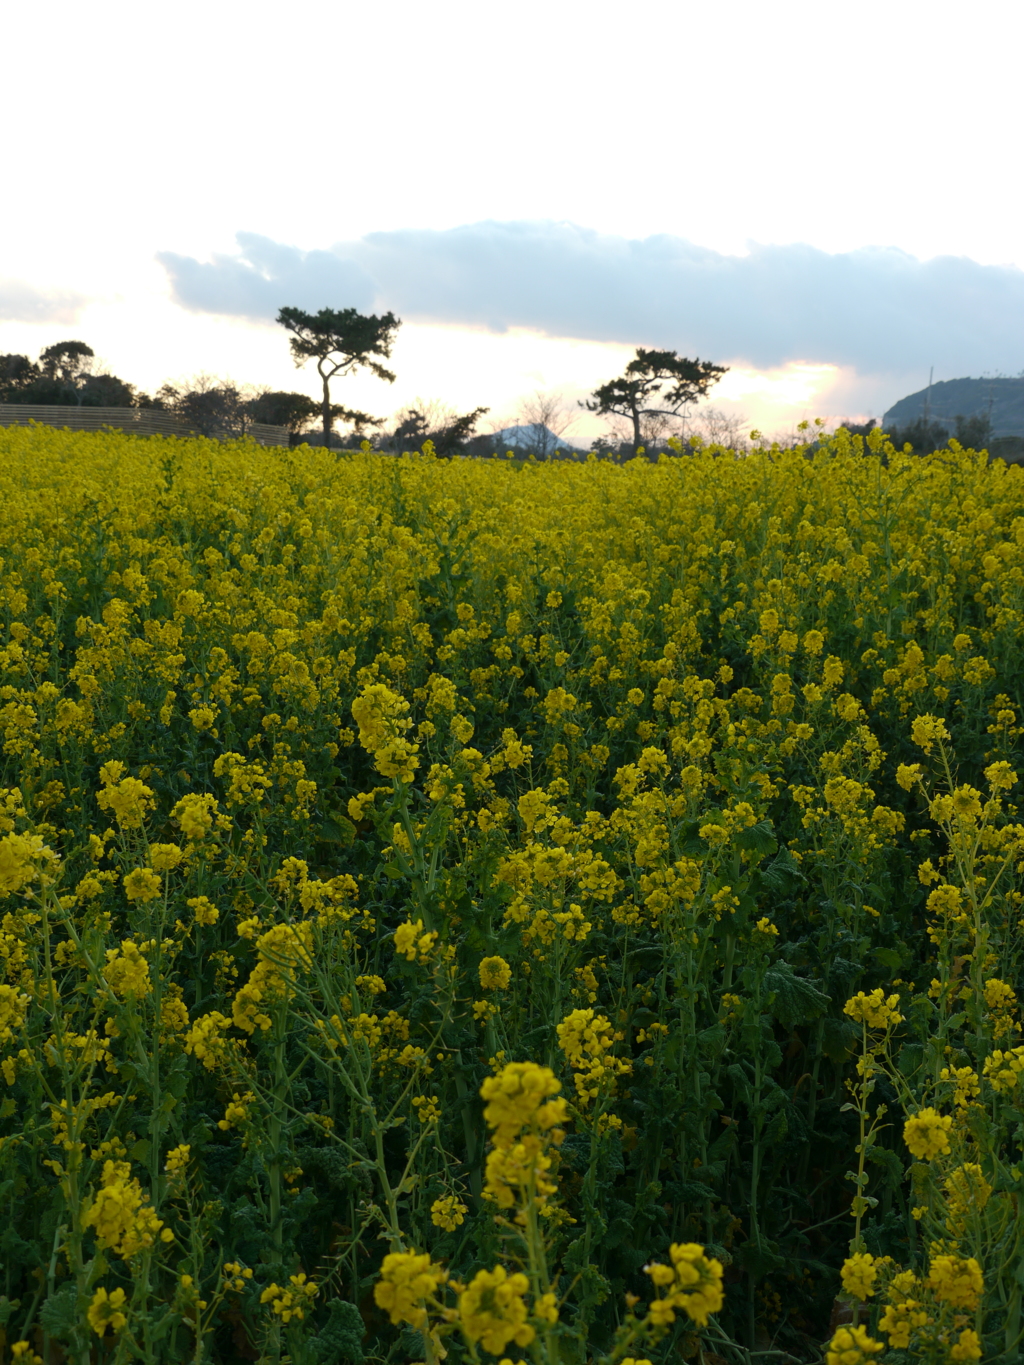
(956, 1280)
(900, 1321)
(106, 1311)
(493, 1311)
(291, 1301)
(495, 974)
(691, 1282)
(852, 1346)
(448, 1213)
(408, 1281)
(303, 756)
(525, 1121)
(859, 1274)
(123, 1219)
(926, 1134)
(874, 1009)
(587, 1039)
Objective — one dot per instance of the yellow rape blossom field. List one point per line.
(509, 912)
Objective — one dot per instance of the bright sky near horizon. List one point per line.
(535, 189)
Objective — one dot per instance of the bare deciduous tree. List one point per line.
(213, 407)
(432, 420)
(718, 428)
(552, 416)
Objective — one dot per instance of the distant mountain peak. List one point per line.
(531, 436)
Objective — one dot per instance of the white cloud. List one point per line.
(878, 309)
(20, 302)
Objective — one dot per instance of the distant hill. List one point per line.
(532, 436)
(1001, 400)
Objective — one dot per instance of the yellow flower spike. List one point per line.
(408, 1281)
(956, 1281)
(448, 1213)
(927, 1134)
(852, 1346)
(22, 1351)
(859, 1273)
(874, 1009)
(968, 1346)
(107, 1311)
(493, 1310)
(927, 730)
(495, 974)
(693, 1283)
(143, 884)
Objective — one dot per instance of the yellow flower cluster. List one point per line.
(926, 1133)
(637, 727)
(206, 1040)
(176, 1161)
(493, 1311)
(495, 974)
(127, 798)
(1003, 1069)
(383, 719)
(692, 1282)
(874, 1009)
(123, 1219)
(408, 1281)
(284, 953)
(927, 1315)
(293, 1299)
(525, 1121)
(24, 859)
(859, 1274)
(852, 1346)
(955, 1280)
(587, 1039)
(413, 942)
(107, 1310)
(899, 1322)
(448, 1213)
(127, 971)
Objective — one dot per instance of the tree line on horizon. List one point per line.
(646, 405)
(655, 390)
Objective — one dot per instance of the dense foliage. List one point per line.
(590, 887)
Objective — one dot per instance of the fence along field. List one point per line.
(137, 421)
(557, 912)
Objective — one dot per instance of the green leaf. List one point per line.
(759, 839)
(59, 1314)
(839, 1037)
(712, 1040)
(693, 1192)
(782, 875)
(891, 959)
(776, 1130)
(889, 1161)
(341, 1337)
(796, 1000)
(910, 1059)
(337, 829)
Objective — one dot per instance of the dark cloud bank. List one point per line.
(876, 309)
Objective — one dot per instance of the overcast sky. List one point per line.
(823, 198)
